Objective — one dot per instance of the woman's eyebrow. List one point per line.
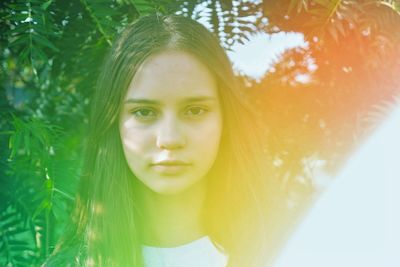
(155, 102)
(199, 99)
(141, 101)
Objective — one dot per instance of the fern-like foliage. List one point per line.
(38, 192)
(50, 53)
(232, 21)
(30, 29)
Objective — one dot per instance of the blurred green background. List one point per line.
(51, 52)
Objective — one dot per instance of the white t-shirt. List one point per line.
(198, 253)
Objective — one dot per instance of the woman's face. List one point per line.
(171, 122)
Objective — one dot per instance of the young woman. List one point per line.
(174, 174)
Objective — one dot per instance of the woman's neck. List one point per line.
(172, 220)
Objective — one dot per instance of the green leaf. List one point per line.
(143, 7)
(37, 53)
(44, 41)
(21, 29)
(27, 143)
(21, 40)
(24, 54)
(45, 5)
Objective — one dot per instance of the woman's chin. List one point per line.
(172, 185)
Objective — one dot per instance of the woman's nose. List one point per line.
(170, 135)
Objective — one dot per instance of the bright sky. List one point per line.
(256, 56)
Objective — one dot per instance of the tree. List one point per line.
(51, 51)
(334, 92)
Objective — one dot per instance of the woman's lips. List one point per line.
(170, 166)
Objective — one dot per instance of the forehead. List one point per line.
(172, 74)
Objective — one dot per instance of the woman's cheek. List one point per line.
(136, 141)
(208, 136)
(211, 130)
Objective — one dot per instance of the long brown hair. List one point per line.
(104, 232)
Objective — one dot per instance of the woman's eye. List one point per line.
(144, 114)
(195, 111)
